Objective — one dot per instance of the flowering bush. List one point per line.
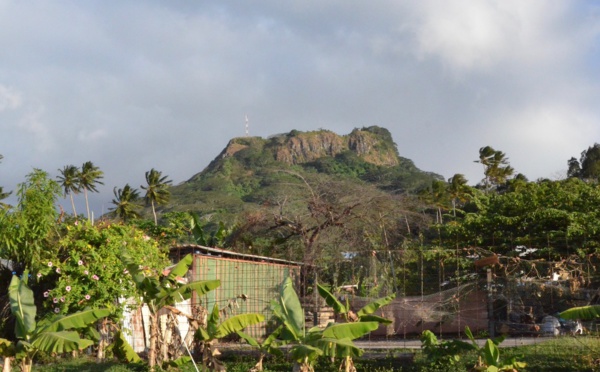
(87, 266)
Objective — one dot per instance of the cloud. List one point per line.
(133, 86)
(9, 99)
(484, 35)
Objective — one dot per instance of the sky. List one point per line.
(135, 85)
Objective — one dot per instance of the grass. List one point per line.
(577, 354)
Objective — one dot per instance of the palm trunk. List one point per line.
(154, 213)
(87, 204)
(73, 205)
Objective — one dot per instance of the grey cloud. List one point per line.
(132, 85)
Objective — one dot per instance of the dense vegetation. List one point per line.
(349, 206)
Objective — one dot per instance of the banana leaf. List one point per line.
(249, 339)
(22, 306)
(375, 305)
(7, 348)
(582, 312)
(338, 348)
(181, 268)
(201, 335)
(124, 351)
(302, 351)
(60, 342)
(491, 353)
(237, 323)
(375, 318)
(179, 362)
(349, 331)
(185, 291)
(292, 314)
(331, 300)
(80, 319)
(212, 323)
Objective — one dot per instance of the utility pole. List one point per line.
(247, 126)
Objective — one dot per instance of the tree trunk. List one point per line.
(166, 329)
(7, 364)
(103, 340)
(153, 340)
(26, 364)
(154, 213)
(87, 203)
(73, 205)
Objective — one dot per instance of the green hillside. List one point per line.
(251, 171)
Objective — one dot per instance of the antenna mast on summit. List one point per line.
(247, 127)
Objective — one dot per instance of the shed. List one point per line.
(249, 283)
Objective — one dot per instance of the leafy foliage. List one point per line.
(589, 312)
(27, 229)
(157, 191)
(306, 346)
(86, 265)
(125, 203)
(217, 329)
(51, 335)
(164, 288)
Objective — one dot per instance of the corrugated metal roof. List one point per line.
(218, 252)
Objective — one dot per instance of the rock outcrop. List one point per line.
(373, 145)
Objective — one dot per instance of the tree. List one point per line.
(69, 180)
(125, 203)
(27, 229)
(495, 167)
(458, 190)
(574, 169)
(157, 191)
(590, 163)
(89, 178)
(436, 195)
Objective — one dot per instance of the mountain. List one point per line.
(251, 170)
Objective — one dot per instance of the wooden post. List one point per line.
(490, 305)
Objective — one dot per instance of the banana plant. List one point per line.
(166, 288)
(268, 346)
(489, 356)
(365, 314)
(215, 330)
(588, 312)
(334, 341)
(57, 334)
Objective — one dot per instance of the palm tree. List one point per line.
(458, 190)
(124, 201)
(89, 177)
(156, 190)
(69, 180)
(495, 167)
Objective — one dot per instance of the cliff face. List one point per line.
(373, 145)
(305, 147)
